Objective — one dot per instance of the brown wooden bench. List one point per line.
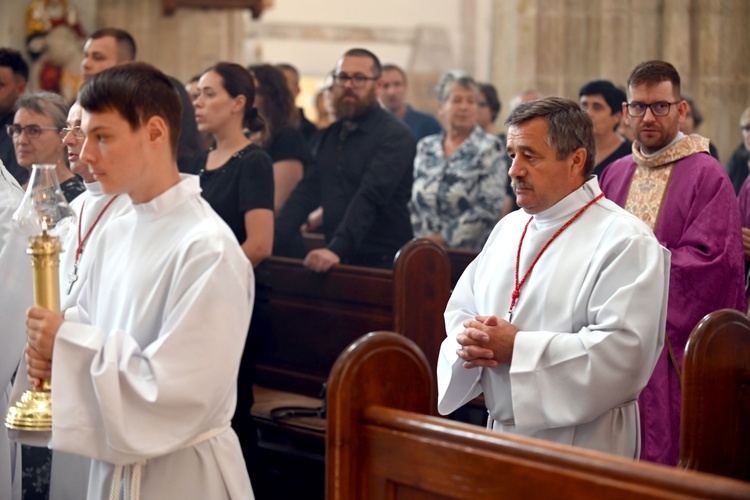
(459, 259)
(380, 444)
(317, 315)
(715, 429)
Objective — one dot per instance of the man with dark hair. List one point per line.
(683, 194)
(14, 73)
(362, 178)
(105, 48)
(145, 367)
(603, 102)
(306, 127)
(585, 317)
(110, 47)
(392, 95)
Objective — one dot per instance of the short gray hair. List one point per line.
(452, 79)
(569, 127)
(45, 103)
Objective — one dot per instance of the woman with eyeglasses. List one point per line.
(459, 175)
(281, 138)
(236, 176)
(35, 133)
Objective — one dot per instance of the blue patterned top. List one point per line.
(461, 197)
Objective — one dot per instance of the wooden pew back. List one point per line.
(378, 447)
(715, 429)
(459, 259)
(317, 315)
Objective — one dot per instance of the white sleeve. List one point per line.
(120, 402)
(15, 267)
(457, 385)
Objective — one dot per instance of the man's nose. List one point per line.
(86, 153)
(649, 114)
(515, 169)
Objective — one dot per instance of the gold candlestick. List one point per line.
(45, 261)
(43, 215)
(34, 411)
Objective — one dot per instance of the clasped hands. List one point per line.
(41, 329)
(486, 342)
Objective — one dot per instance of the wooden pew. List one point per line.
(715, 428)
(317, 315)
(380, 444)
(459, 260)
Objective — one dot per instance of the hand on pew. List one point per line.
(486, 342)
(321, 260)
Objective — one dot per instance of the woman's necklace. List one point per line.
(73, 276)
(518, 284)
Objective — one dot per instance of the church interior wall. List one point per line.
(552, 45)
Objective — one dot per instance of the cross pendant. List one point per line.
(72, 278)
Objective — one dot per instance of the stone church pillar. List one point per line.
(558, 45)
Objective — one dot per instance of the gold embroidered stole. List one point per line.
(650, 180)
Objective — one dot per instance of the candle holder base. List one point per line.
(32, 413)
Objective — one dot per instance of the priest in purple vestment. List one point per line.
(672, 183)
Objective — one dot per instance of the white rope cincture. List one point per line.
(128, 477)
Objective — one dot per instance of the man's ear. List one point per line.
(578, 161)
(682, 109)
(21, 88)
(157, 129)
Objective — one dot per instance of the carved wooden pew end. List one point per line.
(379, 445)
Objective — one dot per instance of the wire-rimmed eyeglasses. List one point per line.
(77, 133)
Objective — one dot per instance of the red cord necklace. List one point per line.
(518, 284)
(73, 276)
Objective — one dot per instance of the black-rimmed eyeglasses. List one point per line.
(358, 80)
(32, 131)
(659, 108)
(76, 131)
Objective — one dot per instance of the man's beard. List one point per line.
(352, 108)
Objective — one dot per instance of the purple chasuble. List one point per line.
(699, 222)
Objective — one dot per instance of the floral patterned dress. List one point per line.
(460, 197)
